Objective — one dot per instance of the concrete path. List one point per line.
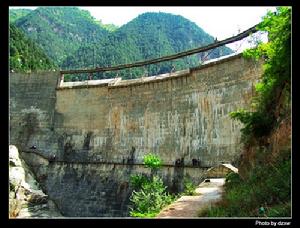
(189, 206)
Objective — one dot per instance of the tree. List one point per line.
(24, 54)
(274, 88)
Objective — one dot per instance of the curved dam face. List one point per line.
(95, 133)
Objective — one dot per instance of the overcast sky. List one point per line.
(220, 22)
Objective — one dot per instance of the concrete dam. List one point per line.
(84, 139)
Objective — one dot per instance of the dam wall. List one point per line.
(97, 132)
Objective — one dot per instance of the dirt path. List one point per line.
(189, 206)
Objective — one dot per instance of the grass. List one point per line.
(267, 187)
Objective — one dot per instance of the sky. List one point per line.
(220, 22)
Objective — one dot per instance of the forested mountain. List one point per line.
(25, 55)
(148, 36)
(73, 39)
(60, 31)
(15, 14)
(108, 27)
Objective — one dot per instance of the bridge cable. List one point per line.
(166, 58)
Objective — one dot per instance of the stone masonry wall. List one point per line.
(32, 110)
(93, 189)
(100, 134)
(184, 117)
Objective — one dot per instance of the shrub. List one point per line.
(266, 188)
(276, 77)
(232, 179)
(256, 124)
(142, 215)
(150, 195)
(152, 161)
(189, 188)
(137, 180)
(280, 210)
(150, 199)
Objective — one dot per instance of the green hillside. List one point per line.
(15, 14)
(73, 39)
(60, 31)
(24, 54)
(148, 36)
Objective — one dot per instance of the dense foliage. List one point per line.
(73, 39)
(276, 78)
(15, 14)
(108, 27)
(263, 189)
(268, 187)
(25, 55)
(60, 31)
(148, 36)
(150, 198)
(152, 161)
(149, 195)
(189, 188)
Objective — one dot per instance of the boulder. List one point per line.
(14, 159)
(26, 199)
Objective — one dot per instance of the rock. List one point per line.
(16, 175)
(26, 199)
(37, 197)
(14, 207)
(14, 159)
